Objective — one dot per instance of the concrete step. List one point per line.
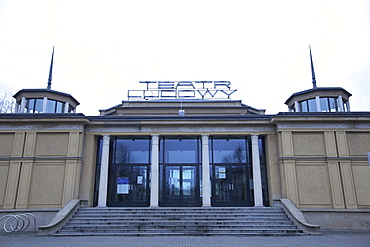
(191, 229)
(177, 218)
(179, 221)
(137, 234)
(199, 232)
(177, 227)
(181, 210)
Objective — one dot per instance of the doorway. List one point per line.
(128, 186)
(180, 186)
(231, 186)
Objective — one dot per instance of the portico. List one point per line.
(181, 170)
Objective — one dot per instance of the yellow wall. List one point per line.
(45, 165)
(39, 169)
(325, 168)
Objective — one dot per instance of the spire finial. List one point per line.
(312, 70)
(51, 70)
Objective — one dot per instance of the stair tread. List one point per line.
(179, 221)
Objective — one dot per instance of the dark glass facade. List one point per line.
(180, 171)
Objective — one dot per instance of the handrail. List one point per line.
(18, 222)
(61, 218)
(297, 216)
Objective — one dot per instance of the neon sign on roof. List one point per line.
(183, 89)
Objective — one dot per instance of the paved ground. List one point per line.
(328, 238)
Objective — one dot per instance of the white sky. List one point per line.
(104, 48)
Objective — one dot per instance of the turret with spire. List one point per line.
(319, 99)
(45, 100)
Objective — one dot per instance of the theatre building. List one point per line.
(188, 144)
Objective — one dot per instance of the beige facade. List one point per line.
(318, 160)
(323, 164)
(40, 162)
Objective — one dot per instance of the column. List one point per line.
(296, 106)
(44, 104)
(103, 182)
(23, 105)
(318, 103)
(154, 180)
(66, 107)
(206, 174)
(16, 109)
(257, 180)
(340, 103)
(348, 108)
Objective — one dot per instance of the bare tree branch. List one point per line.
(7, 103)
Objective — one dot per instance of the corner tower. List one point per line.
(45, 100)
(319, 99)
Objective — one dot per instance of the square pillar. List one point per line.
(206, 174)
(154, 179)
(257, 179)
(44, 104)
(23, 105)
(103, 182)
(318, 103)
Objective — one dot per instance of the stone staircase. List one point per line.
(268, 221)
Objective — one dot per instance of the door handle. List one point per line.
(231, 186)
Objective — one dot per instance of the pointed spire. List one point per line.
(51, 71)
(312, 70)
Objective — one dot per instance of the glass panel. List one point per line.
(139, 180)
(179, 150)
(132, 150)
(38, 106)
(231, 185)
(345, 106)
(261, 145)
(232, 182)
(239, 184)
(333, 103)
(173, 183)
(128, 186)
(50, 107)
(188, 181)
(312, 105)
(228, 150)
(30, 105)
(303, 106)
(60, 107)
(70, 109)
(122, 175)
(324, 104)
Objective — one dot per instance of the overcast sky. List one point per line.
(104, 48)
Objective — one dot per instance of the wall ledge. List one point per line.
(297, 216)
(61, 218)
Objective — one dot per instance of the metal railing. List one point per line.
(18, 222)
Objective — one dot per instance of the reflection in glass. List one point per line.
(229, 150)
(131, 150)
(34, 106)
(179, 150)
(312, 105)
(329, 104)
(231, 166)
(50, 107)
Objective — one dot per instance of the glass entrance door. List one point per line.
(230, 186)
(180, 186)
(128, 186)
